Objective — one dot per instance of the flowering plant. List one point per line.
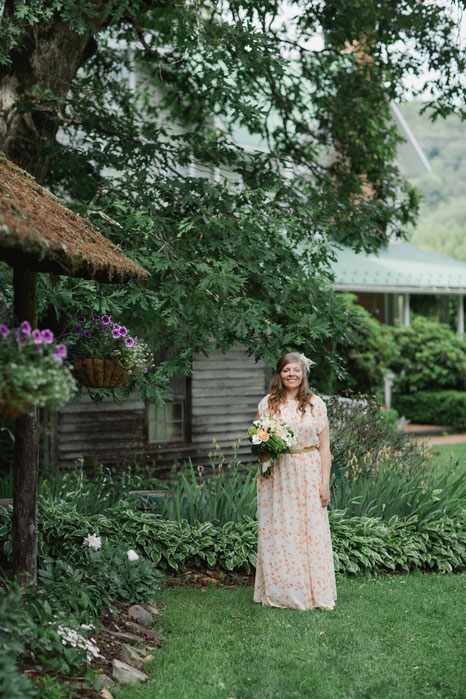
(33, 369)
(270, 435)
(101, 336)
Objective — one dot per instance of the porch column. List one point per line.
(460, 316)
(406, 310)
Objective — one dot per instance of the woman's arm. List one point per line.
(326, 461)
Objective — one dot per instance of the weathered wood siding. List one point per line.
(104, 433)
(225, 390)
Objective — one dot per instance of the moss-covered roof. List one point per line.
(39, 232)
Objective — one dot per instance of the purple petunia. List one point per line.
(95, 316)
(47, 336)
(123, 331)
(135, 339)
(129, 342)
(80, 319)
(87, 334)
(116, 326)
(56, 358)
(3, 331)
(25, 327)
(78, 329)
(105, 320)
(116, 333)
(37, 337)
(62, 351)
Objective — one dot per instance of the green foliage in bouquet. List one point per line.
(32, 368)
(271, 436)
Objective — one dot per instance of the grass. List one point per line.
(442, 454)
(389, 637)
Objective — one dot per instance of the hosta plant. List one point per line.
(33, 370)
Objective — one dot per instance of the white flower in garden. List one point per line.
(132, 555)
(93, 541)
(256, 439)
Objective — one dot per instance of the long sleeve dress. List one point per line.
(294, 557)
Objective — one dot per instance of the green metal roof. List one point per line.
(399, 268)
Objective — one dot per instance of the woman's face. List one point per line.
(292, 375)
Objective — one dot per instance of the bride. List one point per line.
(295, 558)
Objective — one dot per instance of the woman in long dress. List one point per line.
(295, 558)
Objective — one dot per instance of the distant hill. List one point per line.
(441, 225)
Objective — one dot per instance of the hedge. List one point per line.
(360, 544)
(433, 407)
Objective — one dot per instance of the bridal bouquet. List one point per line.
(271, 436)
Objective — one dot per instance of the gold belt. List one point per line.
(303, 451)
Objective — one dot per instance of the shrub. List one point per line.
(434, 407)
(31, 631)
(360, 543)
(366, 350)
(360, 434)
(429, 357)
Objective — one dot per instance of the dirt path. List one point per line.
(447, 439)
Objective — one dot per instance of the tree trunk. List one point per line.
(48, 58)
(26, 458)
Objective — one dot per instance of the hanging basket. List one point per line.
(98, 372)
(11, 411)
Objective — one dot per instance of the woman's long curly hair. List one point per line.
(278, 391)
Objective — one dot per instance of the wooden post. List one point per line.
(26, 459)
(460, 316)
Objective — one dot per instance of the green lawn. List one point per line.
(389, 637)
(442, 453)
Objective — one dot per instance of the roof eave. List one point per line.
(375, 288)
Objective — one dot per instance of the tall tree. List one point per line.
(146, 96)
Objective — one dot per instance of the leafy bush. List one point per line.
(366, 352)
(429, 357)
(13, 621)
(360, 543)
(13, 684)
(434, 407)
(31, 631)
(360, 434)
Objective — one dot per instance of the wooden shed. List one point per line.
(39, 234)
(216, 403)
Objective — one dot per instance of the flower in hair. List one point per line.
(306, 361)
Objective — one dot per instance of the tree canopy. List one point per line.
(130, 110)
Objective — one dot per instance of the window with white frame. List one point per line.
(170, 422)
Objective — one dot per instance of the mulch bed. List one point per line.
(194, 577)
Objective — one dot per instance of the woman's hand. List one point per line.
(324, 492)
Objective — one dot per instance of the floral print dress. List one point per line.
(295, 557)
